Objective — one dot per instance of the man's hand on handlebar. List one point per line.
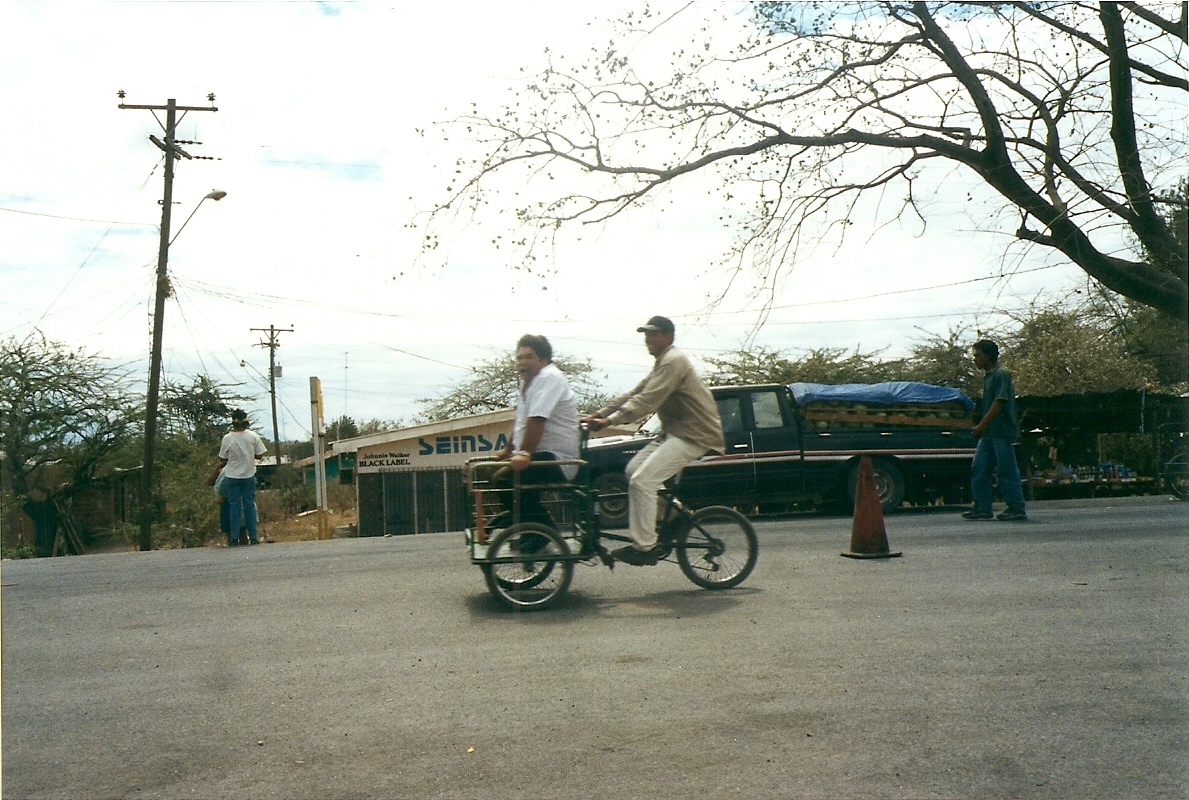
(595, 423)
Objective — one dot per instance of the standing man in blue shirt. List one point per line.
(997, 432)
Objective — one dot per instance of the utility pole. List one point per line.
(272, 344)
(318, 426)
(172, 152)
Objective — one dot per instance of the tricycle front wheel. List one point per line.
(528, 566)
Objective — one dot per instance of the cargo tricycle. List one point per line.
(528, 564)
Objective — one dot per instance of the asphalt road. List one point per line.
(1046, 659)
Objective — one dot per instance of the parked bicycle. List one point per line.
(529, 564)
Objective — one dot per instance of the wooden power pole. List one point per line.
(272, 344)
(172, 152)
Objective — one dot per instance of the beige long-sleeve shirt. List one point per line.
(679, 397)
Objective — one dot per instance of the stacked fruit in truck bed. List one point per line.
(829, 415)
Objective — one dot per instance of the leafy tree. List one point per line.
(200, 411)
(826, 365)
(749, 365)
(377, 425)
(298, 449)
(1067, 117)
(946, 361)
(183, 499)
(64, 415)
(1162, 343)
(1159, 340)
(194, 418)
(342, 428)
(1055, 351)
(1050, 349)
(493, 385)
(346, 427)
(940, 360)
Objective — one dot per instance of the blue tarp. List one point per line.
(890, 393)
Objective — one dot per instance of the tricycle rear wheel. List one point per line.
(528, 572)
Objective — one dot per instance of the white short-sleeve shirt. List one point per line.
(549, 396)
(240, 448)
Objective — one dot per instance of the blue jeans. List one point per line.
(995, 454)
(241, 506)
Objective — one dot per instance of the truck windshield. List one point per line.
(650, 427)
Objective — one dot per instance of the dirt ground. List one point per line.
(298, 528)
(304, 527)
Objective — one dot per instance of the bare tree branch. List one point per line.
(1037, 102)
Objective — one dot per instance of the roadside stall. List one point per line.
(1100, 444)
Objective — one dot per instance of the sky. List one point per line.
(325, 143)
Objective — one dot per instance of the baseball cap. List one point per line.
(658, 324)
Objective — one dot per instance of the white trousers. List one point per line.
(647, 472)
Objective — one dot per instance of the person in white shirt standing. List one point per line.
(238, 453)
(546, 428)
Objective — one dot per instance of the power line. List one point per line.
(77, 219)
(251, 298)
(102, 238)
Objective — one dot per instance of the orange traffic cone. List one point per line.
(868, 539)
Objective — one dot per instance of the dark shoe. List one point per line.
(1013, 515)
(668, 531)
(639, 558)
(976, 513)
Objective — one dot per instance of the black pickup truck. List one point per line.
(798, 446)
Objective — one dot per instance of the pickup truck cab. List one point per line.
(799, 446)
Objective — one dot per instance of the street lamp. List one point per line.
(150, 427)
(217, 194)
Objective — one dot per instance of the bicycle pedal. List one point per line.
(605, 557)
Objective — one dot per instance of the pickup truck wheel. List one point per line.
(612, 506)
(889, 483)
